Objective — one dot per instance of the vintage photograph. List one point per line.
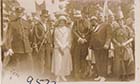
(51, 41)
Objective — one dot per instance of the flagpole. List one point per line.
(105, 10)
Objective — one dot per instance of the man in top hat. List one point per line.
(42, 44)
(18, 42)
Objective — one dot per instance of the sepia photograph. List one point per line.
(65, 41)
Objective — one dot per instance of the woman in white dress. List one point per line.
(61, 60)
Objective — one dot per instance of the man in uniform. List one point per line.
(80, 45)
(18, 42)
(43, 44)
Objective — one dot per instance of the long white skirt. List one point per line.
(61, 64)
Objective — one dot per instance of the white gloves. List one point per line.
(10, 52)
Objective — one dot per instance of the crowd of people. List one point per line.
(82, 43)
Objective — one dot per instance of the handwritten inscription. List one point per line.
(14, 74)
(30, 80)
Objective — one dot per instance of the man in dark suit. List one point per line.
(100, 43)
(18, 42)
(43, 44)
(80, 45)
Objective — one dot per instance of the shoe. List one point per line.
(102, 79)
(58, 79)
(64, 78)
(97, 78)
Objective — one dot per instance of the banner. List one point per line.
(39, 2)
(40, 5)
(29, 5)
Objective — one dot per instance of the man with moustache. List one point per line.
(42, 44)
(18, 42)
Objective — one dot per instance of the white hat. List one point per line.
(77, 13)
(62, 18)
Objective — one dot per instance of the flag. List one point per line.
(40, 5)
(106, 11)
(28, 5)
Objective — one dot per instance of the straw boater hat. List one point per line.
(77, 13)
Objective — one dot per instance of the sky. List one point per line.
(29, 5)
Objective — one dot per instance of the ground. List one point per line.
(13, 77)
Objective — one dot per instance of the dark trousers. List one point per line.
(42, 60)
(101, 58)
(79, 53)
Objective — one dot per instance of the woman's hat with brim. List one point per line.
(60, 18)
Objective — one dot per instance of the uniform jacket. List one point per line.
(18, 34)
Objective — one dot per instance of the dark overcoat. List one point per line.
(18, 39)
(101, 36)
(43, 40)
(80, 51)
(18, 36)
